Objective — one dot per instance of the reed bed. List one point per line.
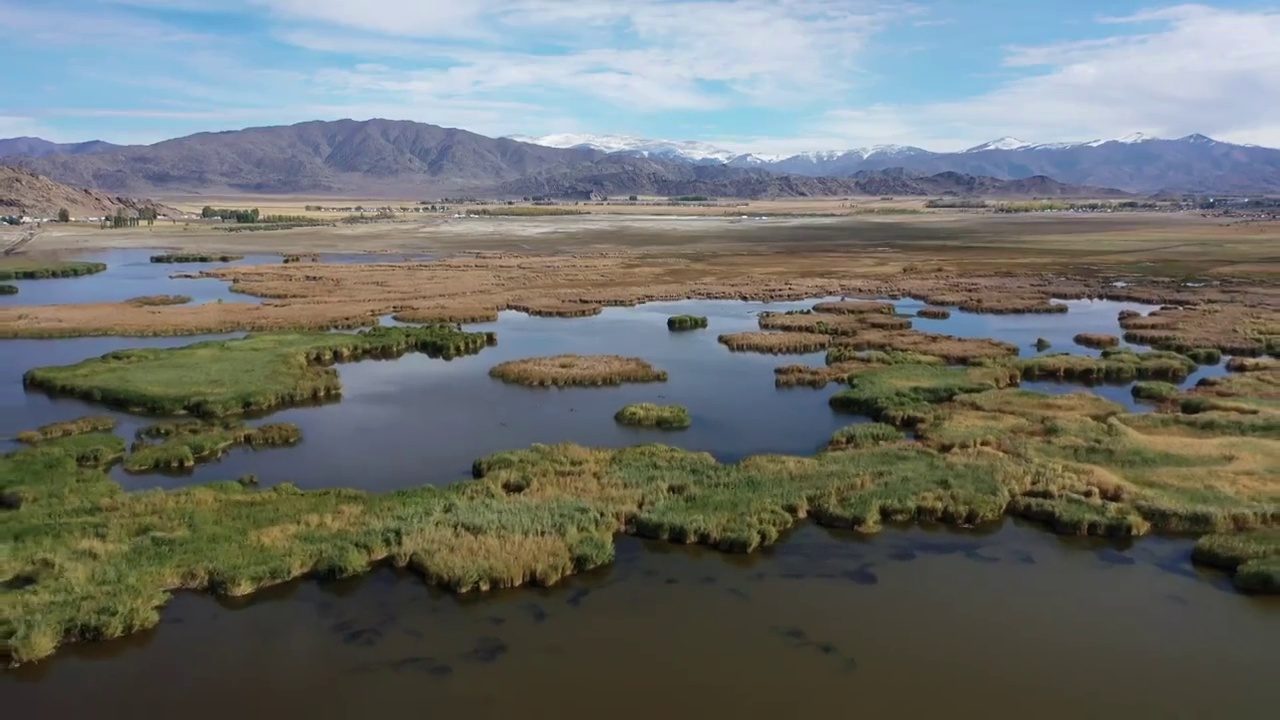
(1234, 329)
(854, 307)
(815, 377)
(194, 258)
(812, 323)
(1248, 364)
(1009, 305)
(776, 343)
(1042, 344)
(1113, 366)
(26, 269)
(79, 426)
(680, 323)
(86, 560)
(664, 417)
(94, 319)
(1097, 340)
(934, 313)
(1204, 356)
(6, 289)
(1156, 390)
(228, 377)
(909, 395)
(550, 308)
(952, 349)
(588, 370)
(1252, 558)
(863, 435)
(448, 314)
(158, 300)
(188, 446)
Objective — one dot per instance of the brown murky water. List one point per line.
(1012, 622)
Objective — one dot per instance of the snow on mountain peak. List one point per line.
(686, 149)
(1004, 143)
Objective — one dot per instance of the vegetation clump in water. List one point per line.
(1042, 344)
(448, 314)
(257, 372)
(194, 258)
(1252, 558)
(665, 417)
(825, 323)
(951, 349)
(569, 369)
(79, 426)
(1156, 390)
(775, 342)
(854, 307)
(160, 300)
(862, 435)
(189, 445)
(1114, 365)
(907, 395)
(8, 289)
(934, 313)
(24, 269)
(555, 308)
(1097, 340)
(677, 323)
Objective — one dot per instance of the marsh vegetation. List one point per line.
(679, 323)
(665, 417)
(775, 342)
(569, 369)
(29, 269)
(194, 258)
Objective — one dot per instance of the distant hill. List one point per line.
(400, 159)
(25, 193)
(35, 147)
(1136, 163)
(378, 158)
(618, 175)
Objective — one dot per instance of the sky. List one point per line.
(770, 76)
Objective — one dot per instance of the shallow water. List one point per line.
(908, 623)
(913, 621)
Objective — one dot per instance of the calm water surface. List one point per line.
(1007, 622)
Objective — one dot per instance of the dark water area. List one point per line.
(1005, 622)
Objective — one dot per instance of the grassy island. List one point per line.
(775, 342)
(189, 444)
(1253, 558)
(854, 307)
(193, 258)
(934, 313)
(1097, 340)
(155, 300)
(592, 370)
(79, 426)
(1114, 366)
(553, 308)
(677, 323)
(8, 289)
(25, 269)
(458, 313)
(227, 377)
(665, 417)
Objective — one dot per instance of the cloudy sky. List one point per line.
(762, 75)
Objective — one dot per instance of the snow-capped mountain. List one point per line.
(1138, 162)
(687, 150)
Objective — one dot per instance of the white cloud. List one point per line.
(1188, 69)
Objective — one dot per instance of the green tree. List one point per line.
(64, 215)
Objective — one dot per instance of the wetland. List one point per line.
(913, 498)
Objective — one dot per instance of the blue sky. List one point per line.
(755, 75)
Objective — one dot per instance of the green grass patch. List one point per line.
(1113, 366)
(907, 395)
(227, 377)
(79, 426)
(862, 435)
(26, 269)
(665, 417)
(677, 323)
(1253, 558)
(1156, 390)
(187, 445)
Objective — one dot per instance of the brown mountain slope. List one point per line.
(23, 192)
(376, 158)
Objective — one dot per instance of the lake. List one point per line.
(1009, 619)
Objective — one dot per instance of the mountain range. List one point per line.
(1135, 163)
(385, 158)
